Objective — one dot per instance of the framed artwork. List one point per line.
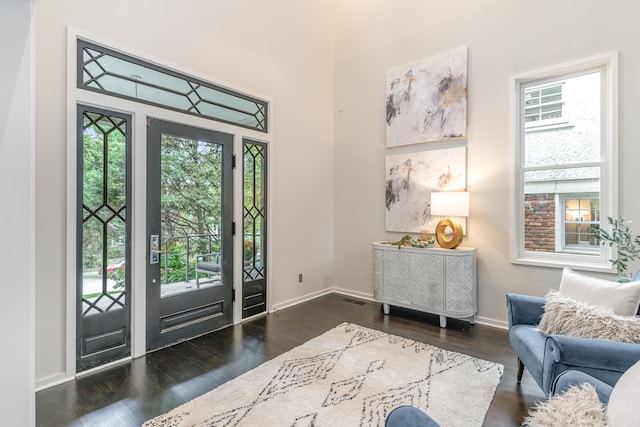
(410, 179)
(427, 100)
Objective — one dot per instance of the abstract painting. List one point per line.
(410, 179)
(427, 100)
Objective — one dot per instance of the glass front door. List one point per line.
(189, 232)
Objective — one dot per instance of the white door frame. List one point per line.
(139, 113)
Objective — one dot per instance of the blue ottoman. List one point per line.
(408, 416)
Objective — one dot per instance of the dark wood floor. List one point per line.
(131, 393)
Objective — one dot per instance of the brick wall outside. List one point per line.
(539, 220)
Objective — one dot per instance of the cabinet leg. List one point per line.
(443, 321)
(386, 309)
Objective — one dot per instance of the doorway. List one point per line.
(164, 264)
(189, 232)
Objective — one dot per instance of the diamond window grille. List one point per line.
(103, 202)
(104, 70)
(254, 210)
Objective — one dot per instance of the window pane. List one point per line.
(532, 97)
(551, 91)
(539, 220)
(104, 181)
(551, 111)
(582, 210)
(577, 143)
(191, 214)
(254, 210)
(581, 217)
(567, 227)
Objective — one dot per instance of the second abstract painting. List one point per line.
(410, 179)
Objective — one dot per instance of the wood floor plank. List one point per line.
(129, 394)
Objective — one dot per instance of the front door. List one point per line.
(189, 232)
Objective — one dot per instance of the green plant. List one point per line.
(118, 277)
(405, 241)
(410, 241)
(174, 263)
(620, 236)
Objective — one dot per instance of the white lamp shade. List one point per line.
(450, 203)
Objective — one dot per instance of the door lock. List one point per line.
(154, 248)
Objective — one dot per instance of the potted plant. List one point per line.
(627, 245)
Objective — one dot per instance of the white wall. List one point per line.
(328, 120)
(504, 37)
(280, 49)
(17, 403)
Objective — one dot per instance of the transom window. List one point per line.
(566, 177)
(101, 69)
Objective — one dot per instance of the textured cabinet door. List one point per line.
(433, 280)
(427, 281)
(396, 269)
(460, 279)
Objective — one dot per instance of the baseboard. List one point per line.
(313, 295)
(369, 297)
(61, 378)
(52, 381)
(492, 322)
(347, 292)
(299, 300)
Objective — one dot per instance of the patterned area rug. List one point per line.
(348, 376)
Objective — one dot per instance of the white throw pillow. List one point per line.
(566, 316)
(622, 298)
(622, 410)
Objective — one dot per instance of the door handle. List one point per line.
(154, 249)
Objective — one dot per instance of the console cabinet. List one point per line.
(433, 280)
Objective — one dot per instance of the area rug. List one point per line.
(348, 376)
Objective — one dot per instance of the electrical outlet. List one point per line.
(300, 278)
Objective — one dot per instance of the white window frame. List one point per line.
(608, 65)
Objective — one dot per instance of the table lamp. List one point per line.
(449, 204)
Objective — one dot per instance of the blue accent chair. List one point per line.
(546, 357)
(409, 416)
(570, 378)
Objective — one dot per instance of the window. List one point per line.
(103, 70)
(103, 236)
(580, 216)
(565, 175)
(544, 105)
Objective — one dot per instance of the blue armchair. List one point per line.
(570, 378)
(546, 357)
